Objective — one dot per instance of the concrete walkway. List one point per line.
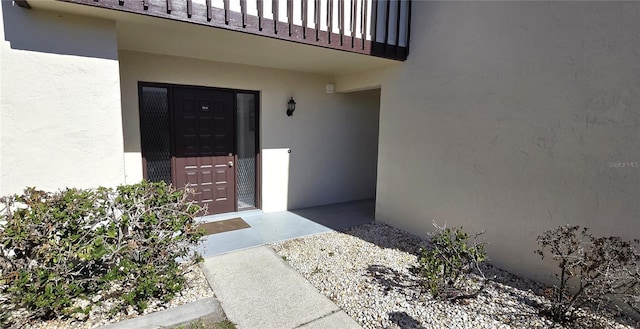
(258, 290)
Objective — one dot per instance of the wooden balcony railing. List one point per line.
(375, 27)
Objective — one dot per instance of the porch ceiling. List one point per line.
(163, 36)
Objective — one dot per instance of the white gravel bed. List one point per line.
(196, 288)
(367, 272)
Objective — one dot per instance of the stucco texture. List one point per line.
(332, 137)
(60, 101)
(513, 117)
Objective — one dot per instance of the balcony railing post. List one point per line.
(208, 4)
(408, 29)
(354, 21)
(290, 14)
(386, 24)
(363, 34)
(260, 5)
(374, 20)
(398, 16)
(329, 19)
(305, 13)
(341, 20)
(316, 22)
(243, 11)
(226, 11)
(275, 10)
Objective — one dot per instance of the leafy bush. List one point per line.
(59, 249)
(446, 264)
(600, 271)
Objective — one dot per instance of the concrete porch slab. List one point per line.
(278, 226)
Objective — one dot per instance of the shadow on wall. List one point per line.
(57, 33)
(334, 150)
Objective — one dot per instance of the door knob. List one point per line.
(230, 163)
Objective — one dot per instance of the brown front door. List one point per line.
(204, 135)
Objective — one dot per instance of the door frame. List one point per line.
(169, 87)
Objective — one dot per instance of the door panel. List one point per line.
(213, 179)
(204, 146)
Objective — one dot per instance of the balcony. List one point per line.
(373, 27)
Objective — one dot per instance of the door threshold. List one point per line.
(228, 215)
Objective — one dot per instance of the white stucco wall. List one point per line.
(60, 101)
(512, 117)
(332, 137)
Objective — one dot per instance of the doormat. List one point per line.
(224, 226)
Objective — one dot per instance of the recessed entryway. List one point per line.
(206, 138)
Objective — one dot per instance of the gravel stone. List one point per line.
(367, 271)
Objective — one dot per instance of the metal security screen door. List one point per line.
(155, 133)
(203, 137)
(246, 146)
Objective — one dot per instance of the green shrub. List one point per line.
(446, 264)
(599, 271)
(59, 248)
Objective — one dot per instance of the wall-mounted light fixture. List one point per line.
(291, 106)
